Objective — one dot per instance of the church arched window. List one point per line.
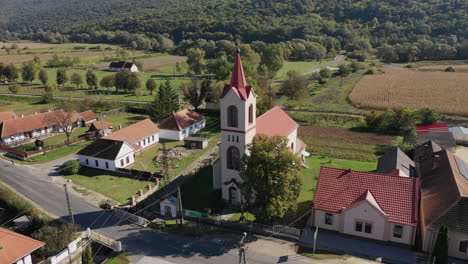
(251, 114)
(232, 116)
(233, 158)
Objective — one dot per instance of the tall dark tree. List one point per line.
(295, 85)
(441, 246)
(108, 81)
(127, 81)
(165, 102)
(28, 71)
(195, 91)
(76, 79)
(91, 79)
(87, 256)
(196, 61)
(62, 77)
(273, 57)
(43, 77)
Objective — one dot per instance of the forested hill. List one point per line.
(350, 22)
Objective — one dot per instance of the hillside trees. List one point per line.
(127, 81)
(295, 85)
(108, 81)
(196, 60)
(8, 72)
(270, 173)
(273, 57)
(43, 77)
(28, 71)
(76, 79)
(61, 77)
(91, 79)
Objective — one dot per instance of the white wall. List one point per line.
(125, 152)
(25, 260)
(319, 220)
(407, 236)
(365, 212)
(454, 242)
(170, 134)
(181, 135)
(90, 162)
(148, 141)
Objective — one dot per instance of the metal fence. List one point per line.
(126, 216)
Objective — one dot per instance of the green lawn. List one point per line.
(299, 66)
(123, 119)
(144, 160)
(23, 106)
(310, 175)
(120, 258)
(54, 140)
(112, 186)
(53, 154)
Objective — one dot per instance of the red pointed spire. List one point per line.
(238, 77)
(238, 81)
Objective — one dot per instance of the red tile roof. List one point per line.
(31, 122)
(396, 196)
(238, 82)
(15, 246)
(134, 133)
(440, 127)
(7, 115)
(100, 125)
(88, 115)
(181, 120)
(275, 122)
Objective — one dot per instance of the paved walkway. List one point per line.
(360, 248)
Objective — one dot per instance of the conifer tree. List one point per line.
(87, 256)
(165, 102)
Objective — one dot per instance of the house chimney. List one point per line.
(436, 162)
(48, 110)
(35, 113)
(22, 115)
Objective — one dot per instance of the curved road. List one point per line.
(36, 183)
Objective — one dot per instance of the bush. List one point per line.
(372, 71)
(450, 69)
(70, 167)
(47, 97)
(14, 89)
(55, 237)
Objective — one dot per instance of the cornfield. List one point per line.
(397, 88)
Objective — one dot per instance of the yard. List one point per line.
(144, 160)
(123, 119)
(54, 140)
(113, 186)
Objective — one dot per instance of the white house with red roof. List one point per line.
(182, 124)
(366, 204)
(239, 125)
(16, 248)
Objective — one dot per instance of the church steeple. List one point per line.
(238, 81)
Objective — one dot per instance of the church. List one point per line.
(239, 125)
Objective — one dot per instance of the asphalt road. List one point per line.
(143, 245)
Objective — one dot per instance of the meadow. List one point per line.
(400, 87)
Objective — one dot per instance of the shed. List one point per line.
(196, 143)
(168, 206)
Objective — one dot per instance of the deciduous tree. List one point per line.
(91, 79)
(196, 61)
(273, 57)
(295, 85)
(62, 77)
(76, 79)
(65, 116)
(28, 71)
(151, 85)
(271, 174)
(195, 91)
(108, 81)
(43, 77)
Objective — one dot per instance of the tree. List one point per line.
(14, 89)
(11, 73)
(273, 57)
(295, 85)
(195, 91)
(196, 61)
(55, 237)
(37, 61)
(91, 79)
(127, 81)
(270, 173)
(28, 71)
(138, 92)
(65, 116)
(87, 256)
(47, 97)
(181, 67)
(108, 81)
(428, 115)
(43, 77)
(220, 67)
(441, 246)
(165, 102)
(76, 79)
(325, 73)
(62, 77)
(151, 85)
(344, 70)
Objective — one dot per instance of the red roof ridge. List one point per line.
(275, 122)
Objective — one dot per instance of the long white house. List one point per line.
(182, 124)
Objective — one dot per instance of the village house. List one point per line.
(182, 124)
(102, 128)
(118, 149)
(396, 162)
(19, 130)
(16, 248)
(365, 204)
(88, 117)
(444, 198)
(439, 133)
(239, 125)
(118, 66)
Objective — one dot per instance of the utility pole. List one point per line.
(242, 249)
(72, 220)
(181, 211)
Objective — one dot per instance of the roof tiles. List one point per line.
(276, 122)
(15, 246)
(134, 133)
(396, 196)
(181, 120)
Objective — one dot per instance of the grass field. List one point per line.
(54, 140)
(123, 119)
(114, 187)
(344, 143)
(399, 87)
(299, 66)
(310, 175)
